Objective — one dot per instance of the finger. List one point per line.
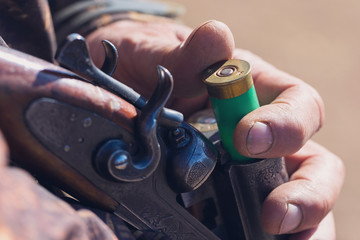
(206, 45)
(307, 198)
(280, 128)
(209, 43)
(325, 231)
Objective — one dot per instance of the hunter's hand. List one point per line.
(291, 113)
(29, 211)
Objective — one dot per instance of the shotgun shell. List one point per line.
(232, 95)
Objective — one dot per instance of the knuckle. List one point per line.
(319, 104)
(318, 205)
(293, 130)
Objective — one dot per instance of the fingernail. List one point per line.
(260, 138)
(292, 219)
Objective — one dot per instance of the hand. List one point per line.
(291, 113)
(298, 206)
(144, 45)
(28, 211)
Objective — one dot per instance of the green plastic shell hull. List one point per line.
(228, 113)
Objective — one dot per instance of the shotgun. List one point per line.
(94, 138)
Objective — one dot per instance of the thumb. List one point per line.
(209, 43)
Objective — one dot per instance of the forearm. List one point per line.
(85, 16)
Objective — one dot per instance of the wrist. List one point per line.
(83, 17)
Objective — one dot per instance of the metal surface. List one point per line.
(71, 133)
(111, 58)
(75, 135)
(251, 184)
(73, 54)
(113, 156)
(144, 163)
(228, 79)
(147, 125)
(204, 121)
(191, 159)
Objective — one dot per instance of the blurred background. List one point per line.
(317, 41)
